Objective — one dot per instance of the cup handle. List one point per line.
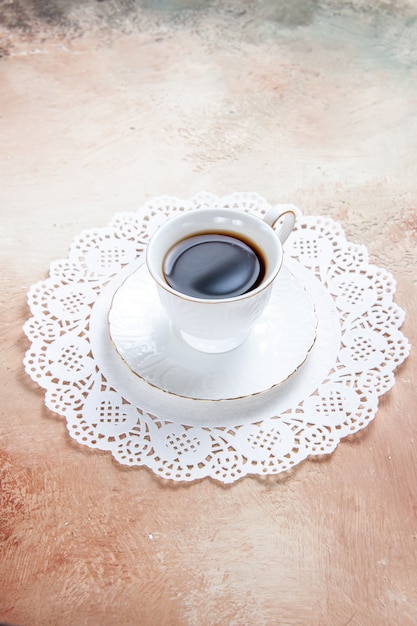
(283, 216)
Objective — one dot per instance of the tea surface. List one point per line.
(213, 266)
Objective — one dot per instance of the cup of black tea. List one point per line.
(214, 269)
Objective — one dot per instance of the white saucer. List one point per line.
(277, 346)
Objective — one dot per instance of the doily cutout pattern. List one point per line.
(61, 357)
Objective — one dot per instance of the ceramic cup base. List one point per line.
(213, 346)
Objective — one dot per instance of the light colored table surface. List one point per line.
(104, 105)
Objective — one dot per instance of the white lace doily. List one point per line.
(334, 394)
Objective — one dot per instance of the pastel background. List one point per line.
(105, 104)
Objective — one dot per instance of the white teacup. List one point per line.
(220, 324)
